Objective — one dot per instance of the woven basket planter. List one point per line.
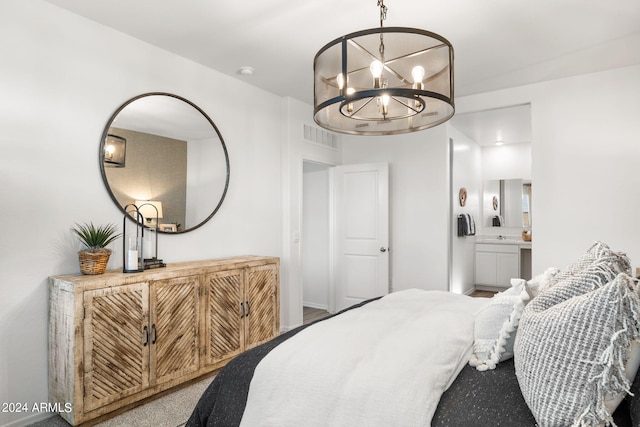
(93, 262)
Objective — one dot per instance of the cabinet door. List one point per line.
(263, 309)
(507, 268)
(174, 335)
(224, 309)
(116, 350)
(486, 268)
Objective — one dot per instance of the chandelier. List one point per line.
(383, 81)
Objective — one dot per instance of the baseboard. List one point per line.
(490, 288)
(469, 291)
(314, 305)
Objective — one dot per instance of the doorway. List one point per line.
(489, 147)
(345, 235)
(316, 240)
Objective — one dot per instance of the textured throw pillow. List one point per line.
(598, 252)
(596, 268)
(572, 350)
(495, 326)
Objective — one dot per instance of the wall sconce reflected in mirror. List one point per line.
(115, 148)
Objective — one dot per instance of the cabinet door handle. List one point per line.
(241, 310)
(153, 334)
(145, 336)
(248, 309)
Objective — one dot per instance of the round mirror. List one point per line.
(162, 152)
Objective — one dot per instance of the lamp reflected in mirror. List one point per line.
(151, 211)
(115, 149)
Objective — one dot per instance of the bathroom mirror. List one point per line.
(169, 151)
(508, 199)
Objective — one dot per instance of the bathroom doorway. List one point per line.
(489, 147)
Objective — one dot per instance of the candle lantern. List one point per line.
(151, 211)
(133, 241)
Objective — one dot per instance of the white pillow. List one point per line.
(495, 326)
(540, 282)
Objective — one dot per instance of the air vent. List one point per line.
(321, 137)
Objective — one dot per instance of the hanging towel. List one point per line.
(472, 226)
(466, 225)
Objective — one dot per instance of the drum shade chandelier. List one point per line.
(384, 81)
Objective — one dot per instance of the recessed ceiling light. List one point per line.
(499, 142)
(245, 71)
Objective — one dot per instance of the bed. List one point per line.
(420, 358)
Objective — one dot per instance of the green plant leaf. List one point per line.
(96, 237)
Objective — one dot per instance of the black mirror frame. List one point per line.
(215, 128)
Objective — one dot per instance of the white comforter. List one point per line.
(384, 364)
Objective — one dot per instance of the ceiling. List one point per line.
(497, 43)
(509, 125)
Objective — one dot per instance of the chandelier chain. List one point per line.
(383, 11)
(383, 16)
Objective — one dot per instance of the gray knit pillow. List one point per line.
(570, 356)
(597, 252)
(597, 267)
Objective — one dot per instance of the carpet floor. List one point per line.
(171, 410)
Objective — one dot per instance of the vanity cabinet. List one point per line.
(115, 339)
(496, 265)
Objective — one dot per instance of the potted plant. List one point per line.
(94, 258)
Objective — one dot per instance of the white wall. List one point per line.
(466, 172)
(585, 152)
(419, 202)
(62, 78)
(509, 161)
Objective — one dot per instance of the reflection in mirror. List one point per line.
(507, 203)
(175, 155)
(526, 204)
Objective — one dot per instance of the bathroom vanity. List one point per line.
(498, 260)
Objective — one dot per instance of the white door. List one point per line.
(361, 197)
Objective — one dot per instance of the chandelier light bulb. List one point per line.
(417, 73)
(385, 104)
(340, 80)
(376, 69)
(350, 91)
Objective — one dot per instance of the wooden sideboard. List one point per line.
(115, 338)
